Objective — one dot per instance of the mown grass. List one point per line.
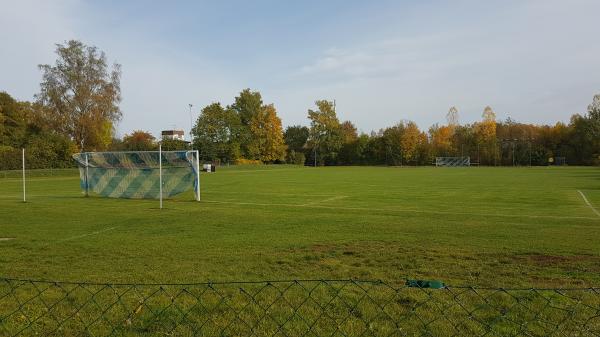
(499, 227)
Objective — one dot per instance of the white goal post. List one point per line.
(452, 161)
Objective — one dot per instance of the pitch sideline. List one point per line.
(587, 202)
(81, 236)
(337, 197)
(402, 210)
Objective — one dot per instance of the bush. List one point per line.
(296, 158)
(244, 161)
(10, 158)
(42, 151)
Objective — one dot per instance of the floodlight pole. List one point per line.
(160, 174)
(23, 159)
(198, 175)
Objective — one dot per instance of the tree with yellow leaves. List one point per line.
(441, 140)
(411, 140)
(485, 132)
(267, 143)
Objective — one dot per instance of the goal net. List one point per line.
(452, 161)
(558, 161)
(138, 174)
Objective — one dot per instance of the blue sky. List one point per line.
(382, 61)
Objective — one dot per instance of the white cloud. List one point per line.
(533, 61)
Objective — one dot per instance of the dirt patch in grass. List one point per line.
(547, 260)
(454, 265)
(6, 239)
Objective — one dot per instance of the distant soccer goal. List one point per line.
(558, 161)
(140, 174)
(452, 161)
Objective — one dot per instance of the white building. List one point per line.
(172, 134)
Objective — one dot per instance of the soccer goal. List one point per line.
(139, 174)
(452, 161)
(560, 161)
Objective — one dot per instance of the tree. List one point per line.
(13, 121)
(464, 141)
(81, 95)
(488, 114)
(348, 132)
(452, 117)
(20, 127)
(325, 132)
(139, 141)
(247, 105)
(374, 151)
(216, 133)
(485, 135)
(582, 140)
(441, 140)
(267, 144)
(412, 140)
(594, 116)
(174, 145)
(348, 153)
(295, 138)
(392, 141)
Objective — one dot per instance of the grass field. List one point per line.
(465, 226)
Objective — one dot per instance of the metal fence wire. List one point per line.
(292, 308)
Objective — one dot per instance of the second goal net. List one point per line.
(452, 161)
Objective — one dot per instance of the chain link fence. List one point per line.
(292, 308)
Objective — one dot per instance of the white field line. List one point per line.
(403, 210)
(259, 170)
(587, 202)
(216, 191)
(82, 235)
(471, 204)
(338, 197)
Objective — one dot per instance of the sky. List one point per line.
(381, 61)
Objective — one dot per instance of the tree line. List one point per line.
(327, 141)
(77, 109)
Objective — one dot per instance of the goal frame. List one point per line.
(191, 156)
(461, 161)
